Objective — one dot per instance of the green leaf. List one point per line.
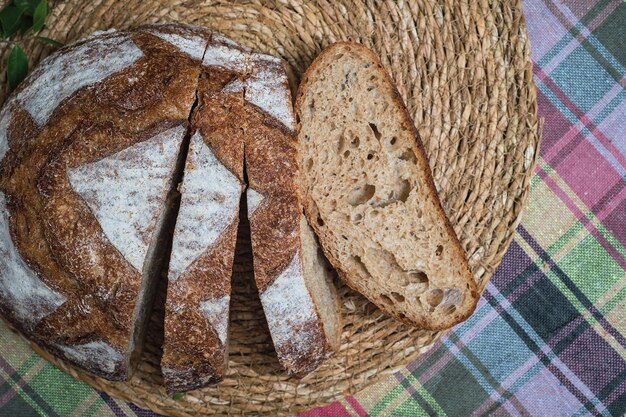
(177, 396)
(27, 6)
(49, 41)
(39, 17)
(17, 67)
(10, 20)
(26, 24)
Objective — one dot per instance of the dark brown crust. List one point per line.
(193, 355)
(426, 172)
(192, 350)
(271, 164)
(99, 304)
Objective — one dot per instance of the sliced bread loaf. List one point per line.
(369, 194)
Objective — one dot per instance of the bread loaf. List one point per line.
(88, 148)
(93, 146)
(369, 193)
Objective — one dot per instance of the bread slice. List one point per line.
(298, 297)
(369, 193)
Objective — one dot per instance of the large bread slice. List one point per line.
(369, 193)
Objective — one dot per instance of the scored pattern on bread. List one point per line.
(369, 194)
(210, 196)
(182, 37)
(87, 103)
(61, 75)
(301, 337)
(20, 287)
(125, 191)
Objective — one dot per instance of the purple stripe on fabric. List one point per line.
(575, 130)
(356, 406)
(433, 369)
(112, 405)
(604, 141)
(11, 392)
(569, 203)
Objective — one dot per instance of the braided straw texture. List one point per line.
(464, 70)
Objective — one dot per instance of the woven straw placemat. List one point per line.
(464, 70)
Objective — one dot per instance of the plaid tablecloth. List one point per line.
(549, 335)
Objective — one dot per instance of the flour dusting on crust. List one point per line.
(254, 200)
(265, 80)
(268, 88)
(288, 306)
(62, 74)
(96, 356)
(20, 288)
(209, 204)
(216, 311)
(5, 120)
(226, 55)
(126, 191)
(189, 43)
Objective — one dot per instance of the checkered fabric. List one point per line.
(549, 335)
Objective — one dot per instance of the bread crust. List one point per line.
(195, 352)
(311, 211)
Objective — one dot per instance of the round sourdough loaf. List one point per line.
(130, 145)
(88, 147)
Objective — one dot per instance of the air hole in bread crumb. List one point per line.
(355, 142)
(373, 78)
(434, 297)
(312, 104)
(375, 130)
(370, 87)
(393, 140)
(374, 213)
(350, 99)
(370, 156)
(357, 217)
(346, 154)
(340, 143)
(402, 191)
(408, 155)
(309, 164)
(399, 298)
(320, 221)
(439, 250)
(449, 309)
(401, 316)
(360, 265)
(385, 299)
(417, 277)
(361, 194)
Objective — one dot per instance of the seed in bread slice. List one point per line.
(368, 192)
